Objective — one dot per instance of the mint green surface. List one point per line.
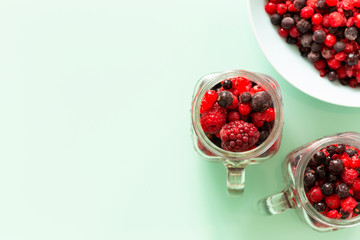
(95, 123)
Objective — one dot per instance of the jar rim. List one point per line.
(275, 94)
(349, 138)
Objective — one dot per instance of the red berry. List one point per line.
(270, 8)
(341, 72)
(316, 18)
(239, 136)
(293, 32)
(320, 64)
(332, 214)
(357, 20)
(233, 116)
(256, 89)
(291, 8)
(356, 3)
(332, 63)
(331, 3)
(353, 83)
(234, 103)
(330, 40)
(350, 22)
(349, 175)
(316, 194)
(348, 204)
(281, 8)
(335, 19)
(243, 85)
(356, 185)
(270, 112)
(245, 108)
(283, 32)
(333, 201)
(341, 56)
(306, 12)
(208, 101)
(213, 120)
(355, 160)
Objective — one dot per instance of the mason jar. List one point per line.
(294, 197)
(235, 162)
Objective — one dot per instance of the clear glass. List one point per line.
(236, 162)
(293, 195)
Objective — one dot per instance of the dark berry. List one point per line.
(321, 4)
(336, 166)
(296, 17)
(245, 97)
(320, 172)
(299, 4)
(309, 179)
(315, 47)
(327, 189)
(332, 9)
(331, 149)
(319, 156)
(225, 99)
(291, 40)
(332, 177)
(342, 190)
(303, 26)
(227, 84)
(260, 101)
(340, 149)
(287, 22)
(351, 33)
(327, 161)
(350, 152)
(344, 82)
(327, 53)
(320, 206)
(344, 215)
(306, 40)
(352, 59)
(314, 56)
(348, 13)
(319, 36)
(304, 51)
(332, 76)
(275, 19)
(263, 136)
(333, 30)
(356, 210)
(339, 46)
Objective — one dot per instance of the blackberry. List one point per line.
(287, 22)
(319, 36)
(342, 190)
(336, 166)
(275, 19)
(225, 99)
(303, 26)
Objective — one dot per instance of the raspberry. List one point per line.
(333, 201)
(316, 194)
(332, 214)
(349, 175)
(348, 204)
(212, 121)
(243, 85)
(355, 162)
(335, 19)
(306, 12)
(208, 101)
(245, 108)
(239, 136)
(270, 8)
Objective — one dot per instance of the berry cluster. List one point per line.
(332, 181)
(325, 31)
(237, 115)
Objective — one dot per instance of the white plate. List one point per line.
(298, 71)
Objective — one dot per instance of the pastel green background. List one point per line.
(95, 123)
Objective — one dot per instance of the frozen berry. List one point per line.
(306, 12)
(239, 136)
(320, 206)
(316, 194)
(356, 209)
(331, 149)
(332, 76)
(351, 33)
(342, 190)
(261, 101)
(245, 97)
(320, 172)
(287, 22)
(227, 84)
(263, 136)
(350, 152)
(276, 19)
(245, 109)
(332, 214)
(336, 166)
(349, 175)
(213, 120)
(306, 40)
(319, 36)
(339, 46)
(331, 3)
(299, 4)
(340, 149)
(332, 201)
(303, 26)
(352, 59)
(327, 189)
(309, 179)
(335, 19)
(225, 99)
(348, 204)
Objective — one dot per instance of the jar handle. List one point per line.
(235, 180)
(274, 204)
